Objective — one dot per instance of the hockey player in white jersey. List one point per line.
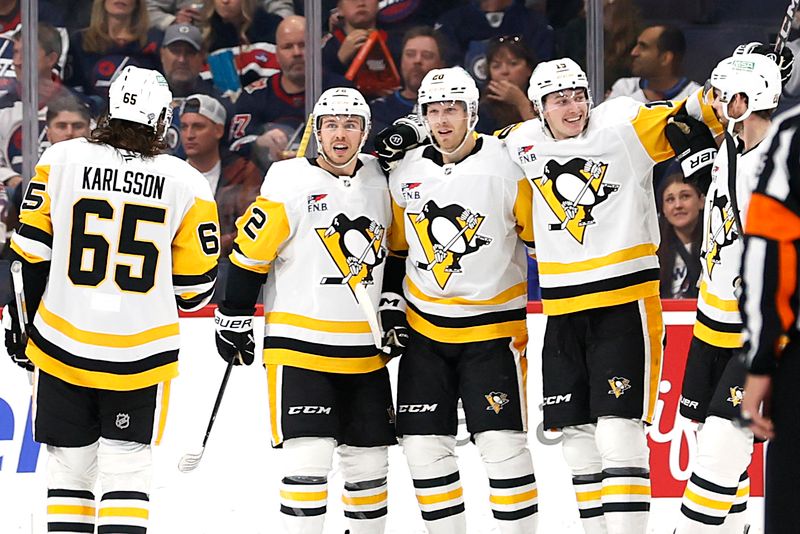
(596, 240)
(111, 235)
(457, 268)
(745, 90)
(316, 235)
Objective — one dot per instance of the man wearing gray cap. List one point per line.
(182, 57)
(234, 180)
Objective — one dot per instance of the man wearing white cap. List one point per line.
(234, 180)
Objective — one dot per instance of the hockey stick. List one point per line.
(786, 26)
(362, 297)
(337, 280)
(301, 150)
(428, 266)
(22, 305)
(190, 461)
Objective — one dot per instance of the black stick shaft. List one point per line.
(217, 402)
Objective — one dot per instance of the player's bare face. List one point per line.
(736, 106)
(340, 136)
(448, 122)
(566, 112)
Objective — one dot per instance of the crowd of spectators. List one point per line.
(236, 69)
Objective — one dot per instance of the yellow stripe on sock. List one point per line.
(705, 501)
(440, 497)
(514, 499)
(64, 509)
(304, 496)
(124, 511)
(370, 499)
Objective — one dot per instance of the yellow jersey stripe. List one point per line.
(124, 511)
(466, 334)
(326, 364)
(120, 341)
(30, 258)
(514, 499)
(727, 340)
(440, 497)
(600, 299)
(716, 302)
(369, 499)
(507, 295)
(98, 379)
(631, 253)
(320, 325)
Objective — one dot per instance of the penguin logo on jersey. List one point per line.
(619, 385)
(446, 234)
(496, 400)
(720, 232)
(572, 191)
(737, 395)
(355, 248)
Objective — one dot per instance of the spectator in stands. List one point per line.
(681, 225)
(621, 22)
(656, 67)
(473, 24)
(11, 15)
(117, 36)
(271, 111)
(50, 88)
(423, 49)
(165, 12)
(234, 180)
(505, 97)
(248, 30)
(357, 21)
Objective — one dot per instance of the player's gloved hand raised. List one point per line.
(394, 323)
(394, 141)
(234, 335)
(15, 345)
(694, 147)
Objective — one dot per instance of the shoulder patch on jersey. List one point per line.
(257, 85)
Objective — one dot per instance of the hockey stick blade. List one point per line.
(190, 461)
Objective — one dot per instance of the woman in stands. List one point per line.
(681, 225)
(117, 37)
(244, 27)
(505, 100)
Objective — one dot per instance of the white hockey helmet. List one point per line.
(784, 60)
(341, 101)
(755, 75)
(141, 96)
(452, 84)
(553, 76)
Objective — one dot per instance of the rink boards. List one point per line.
(235, 488)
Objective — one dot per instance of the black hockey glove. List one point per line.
(15, 345)
(392, 310)
(394, 141)
(694, 147)
(234, 335)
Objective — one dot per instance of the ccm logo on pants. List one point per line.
(323, 410)
(418, 408)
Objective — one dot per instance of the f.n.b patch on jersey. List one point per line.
(446, 234)
(355, 248)
(409, 190)
(720, 232)
(525, 154)
(314, 202)
(572, 191)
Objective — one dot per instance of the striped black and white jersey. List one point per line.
(318, 236)
(769, 300)
(125, 237)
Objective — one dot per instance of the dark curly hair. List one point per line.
(127, 135)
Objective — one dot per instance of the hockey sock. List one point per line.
(583, 458)
(737, 518)
(626, 474)
(365, 495)
(304, 501)
(723, 453)
(70, 511)
(123, 511)
(434, 470)
(513, 494)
